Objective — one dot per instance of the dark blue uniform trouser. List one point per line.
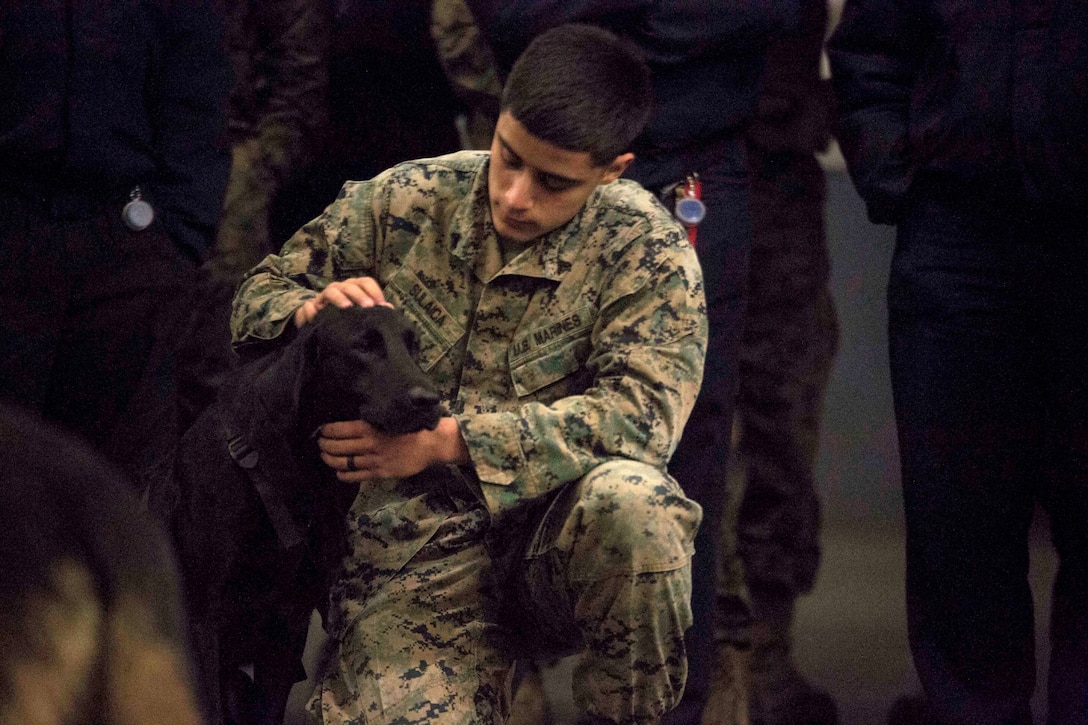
(723, 243)
(87, 310)
(988, 307)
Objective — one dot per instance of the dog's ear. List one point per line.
(299, 363)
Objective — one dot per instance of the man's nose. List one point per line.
(519, 194)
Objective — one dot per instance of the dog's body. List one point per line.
(258, 519)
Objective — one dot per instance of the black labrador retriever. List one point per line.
(256, 517)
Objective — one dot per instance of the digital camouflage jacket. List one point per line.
(586, 346)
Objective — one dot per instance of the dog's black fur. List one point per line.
(258, 519)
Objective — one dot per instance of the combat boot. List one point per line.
(728, 700)
(779, 694)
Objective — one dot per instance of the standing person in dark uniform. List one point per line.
(790, 337)
(389, 101)
(113, 161)
(964, 124)
(706, 63)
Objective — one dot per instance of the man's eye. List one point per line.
(555, 185)
(511, 161)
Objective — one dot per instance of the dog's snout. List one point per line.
(422, 397)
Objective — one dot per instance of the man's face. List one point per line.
(536, 187)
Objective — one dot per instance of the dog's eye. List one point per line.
(373, 342)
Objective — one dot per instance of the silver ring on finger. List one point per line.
(351, 464)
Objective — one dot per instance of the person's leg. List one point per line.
(701, 460)
(790, 338)
(424, 646)
(965, 360)
(1065, 493)
(608, 570)
(728, 701)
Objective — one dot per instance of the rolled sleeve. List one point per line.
(338, 244)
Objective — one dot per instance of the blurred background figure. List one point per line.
(770, 549)
(470, 66)
(113, 161)
(90, 620)
(278, 116)
(325, 91)
(963, 124)
(277, 121)
(389, 101)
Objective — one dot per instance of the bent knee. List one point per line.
(629, 518)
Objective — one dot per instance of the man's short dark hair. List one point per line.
(581, 88)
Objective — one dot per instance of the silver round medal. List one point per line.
(137, 213)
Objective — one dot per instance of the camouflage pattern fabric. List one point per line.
(610, 561)
(428, 643)
(790, 339)
(425, 647)
(470, 66)
(570, 366)
(770, 549)
(279, 53)
(771, 533)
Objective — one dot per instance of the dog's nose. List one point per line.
(421, 397)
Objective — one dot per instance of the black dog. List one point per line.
(256, 516)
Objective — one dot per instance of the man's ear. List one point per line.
(617, 167)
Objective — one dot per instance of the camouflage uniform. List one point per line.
(790, 339)
(470, 65)
(278, 111)
(770, 556)
(571, 367)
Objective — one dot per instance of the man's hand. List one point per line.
(358, 451)
(361, 291)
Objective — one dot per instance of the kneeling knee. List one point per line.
(631, 518)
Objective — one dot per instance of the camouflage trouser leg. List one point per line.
(424, 649)
(790, 339)
(609, 569)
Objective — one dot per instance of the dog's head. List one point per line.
(363, 363)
